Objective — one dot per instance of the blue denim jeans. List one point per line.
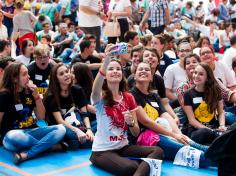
(230, 116)
(170, 147)
(33, 141)
(65, 55)
(72, 139)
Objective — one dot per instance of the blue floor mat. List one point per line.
(77, 163)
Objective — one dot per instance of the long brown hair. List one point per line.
(107, 94)
(10, 80)
(54, 85)
(212, 89)
(83, 77)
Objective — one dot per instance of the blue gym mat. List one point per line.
(72, 163)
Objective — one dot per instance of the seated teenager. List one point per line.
(40, 69)
(86, 56)
(204, 107)
(152, 116)
(150, 56)
(190, 62)
(116, 114)
(19, 100)
(27, 52)
(82, 77)
(60, 101)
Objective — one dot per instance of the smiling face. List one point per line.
(63, 75)
(143, 73)
(206, 55)
(184, 49)
(23, 77)
(114, 72)
(150, 58)
(199, 76)
(190, 65)
(135, 58)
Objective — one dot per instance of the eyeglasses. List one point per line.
(185, 51)
(42, 57)
(205, 52)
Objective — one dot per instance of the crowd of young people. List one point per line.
(71, 87)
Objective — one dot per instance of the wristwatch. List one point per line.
(98, 14)
(131, 124)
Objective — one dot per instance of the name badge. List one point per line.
(39, 77)
(154, 104)
(197, 100)
(162, 62)
(19, 107)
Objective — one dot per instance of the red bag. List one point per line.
(30, 36)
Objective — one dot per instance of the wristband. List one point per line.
(101, 73)
(98, 14)
(88, 128)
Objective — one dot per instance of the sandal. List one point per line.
(64, 146)
(17, 158)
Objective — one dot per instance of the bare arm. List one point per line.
(91, 11)
(169, 109)
(62, 11)
(94, 66)
(98, 82)
(127, 12)
(15, 35)
(170, 95)
(39, 110)
(145, 18)
(9, 15)
(150, 124)
(135, 129)
(233, 97)
(89, 132)
(66, 41)
(221, 116)
(190, 21)
(88, 10)
(91, 109)
(221, 40)
(191, 117)
(167, 16)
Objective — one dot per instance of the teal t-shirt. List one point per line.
(48, 10)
